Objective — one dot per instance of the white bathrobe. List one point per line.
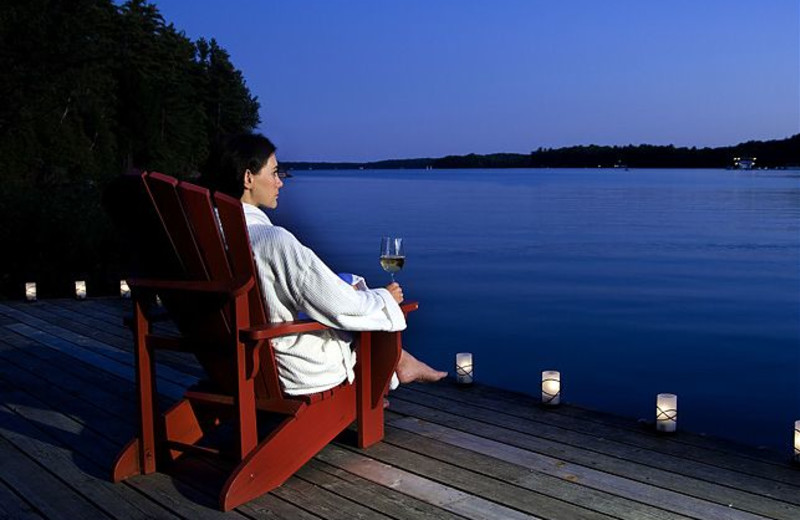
(294, 279)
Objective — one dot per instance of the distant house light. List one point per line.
(744, 163)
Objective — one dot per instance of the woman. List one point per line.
(294, 280)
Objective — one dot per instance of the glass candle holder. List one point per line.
(551, 387)
(666, 413)
(124, 289)
(30, 291)
(464, 368)
(80, 290)
(797, 441)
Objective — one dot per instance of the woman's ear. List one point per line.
(247, 180)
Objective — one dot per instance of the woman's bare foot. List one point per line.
(410, 369)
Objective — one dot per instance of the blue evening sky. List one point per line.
(380, 79)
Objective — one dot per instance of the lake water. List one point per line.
(630, 283)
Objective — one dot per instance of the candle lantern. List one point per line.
(124, 289)
(797, 441)
(666, 413)
(551, 387)
(80, 290)
(464, 368)
(30, 291)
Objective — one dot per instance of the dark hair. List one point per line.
(230, 157)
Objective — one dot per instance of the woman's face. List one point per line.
(261, 188)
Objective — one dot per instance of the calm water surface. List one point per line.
(630, 283)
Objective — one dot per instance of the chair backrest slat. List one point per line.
(164, 192)
(200, 212)
(234, 227)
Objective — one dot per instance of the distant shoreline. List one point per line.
(776, 154)
(291, 171)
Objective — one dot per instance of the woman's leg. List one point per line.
(410, 369)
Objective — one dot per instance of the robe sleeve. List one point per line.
(328, 299)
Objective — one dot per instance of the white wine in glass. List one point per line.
(392, 255)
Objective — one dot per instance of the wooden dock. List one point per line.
(67, 406)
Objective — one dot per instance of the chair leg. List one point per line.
(139, 455)
(127, 462)
(378, 355)
(289, 447)
(386, 348)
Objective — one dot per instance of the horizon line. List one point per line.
(364, 162)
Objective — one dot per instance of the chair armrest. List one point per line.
(232, 288)
(275, 330)
(407, 307)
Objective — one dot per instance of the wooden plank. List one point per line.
(625, 465)
(111, 310)
(385, 500)
(502, 398)
(87, 356)
(719, 453)
(700, 463)
(112, 335)
(107, 390)
(422, 485)
(89, 344)
(23, 374)
(553, 478)
(735, 449)
(270, 506)
(67, 430)
(322, 502)
(622, 498)
(48, 310)
(77, 471)
(13, 506)
(576, 499)
(5, 320)
(183, 500)
(47, 495)
(84, 325)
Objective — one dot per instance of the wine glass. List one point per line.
(392, 255)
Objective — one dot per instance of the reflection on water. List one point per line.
(630, 283)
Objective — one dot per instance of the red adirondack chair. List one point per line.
(212, 295)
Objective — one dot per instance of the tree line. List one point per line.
(769, 154)
(90, 89)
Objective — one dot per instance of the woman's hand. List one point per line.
(396, 291)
